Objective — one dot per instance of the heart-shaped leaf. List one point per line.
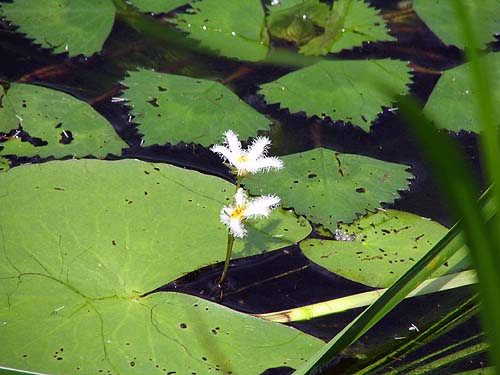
(68, 125)
(378, 248)
(484, 18)
(234, 28)
(84, 241)
(451, 102)
(328, 187)
(172, 108)
(350, 91)
(75, 27)
(8, 119)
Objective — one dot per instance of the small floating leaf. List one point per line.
(76, 27)
(296, 20)
(451, 102)
(484, 17)
(350, 24)
(4, 164)
(329, 187)
(158, 6)
(172, 108)
(342, 90)
(77, 267)
(68, 125)
(234, 28)
(381, 247)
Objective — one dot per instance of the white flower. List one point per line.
(247, 161)
(244, 208)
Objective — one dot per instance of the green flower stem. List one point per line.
(229, 250)
(238, 183)
(230, 243)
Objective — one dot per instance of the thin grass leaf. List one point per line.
(444, 249)
(459, 188)
(455, 317)
(485, 243)
(447, 360)
(437, 284)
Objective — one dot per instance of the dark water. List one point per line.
(284, 278)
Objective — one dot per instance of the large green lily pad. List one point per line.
(351, 91)
(378, 248)
(56, 118)
(439, 15)
(233, 28)
(75, 27)
(172, 108)
(451, 103)
(328, 187)
(84, 241)
(8, 119)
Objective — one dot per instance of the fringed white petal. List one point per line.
(224, 152)
(237, 229)
(233, 143)
(263, 164)
(240, 197)
(225, 215)
(261, 206)
(271, 163)
(258, 148)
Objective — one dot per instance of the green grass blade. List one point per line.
(454, 318)
(338, 305)
(487, 111)
(449, 359)
(458, 187)
(444, 249)
(486, 258)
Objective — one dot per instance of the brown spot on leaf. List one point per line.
(153, 101)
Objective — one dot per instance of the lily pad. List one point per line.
(296, 20)
(78, 265)
(75, 27)
(350, 91)
(328, 187)
(350, 24)
(8, 119)
(484, 17)
(378, 248)
(233, 28)
(158, 6)
(172, 108)
(451, 102)
(4, 164)
(67, 125)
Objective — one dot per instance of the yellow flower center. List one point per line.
(242, 158)
(238, 213)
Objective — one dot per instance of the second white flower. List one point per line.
(244, 208)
